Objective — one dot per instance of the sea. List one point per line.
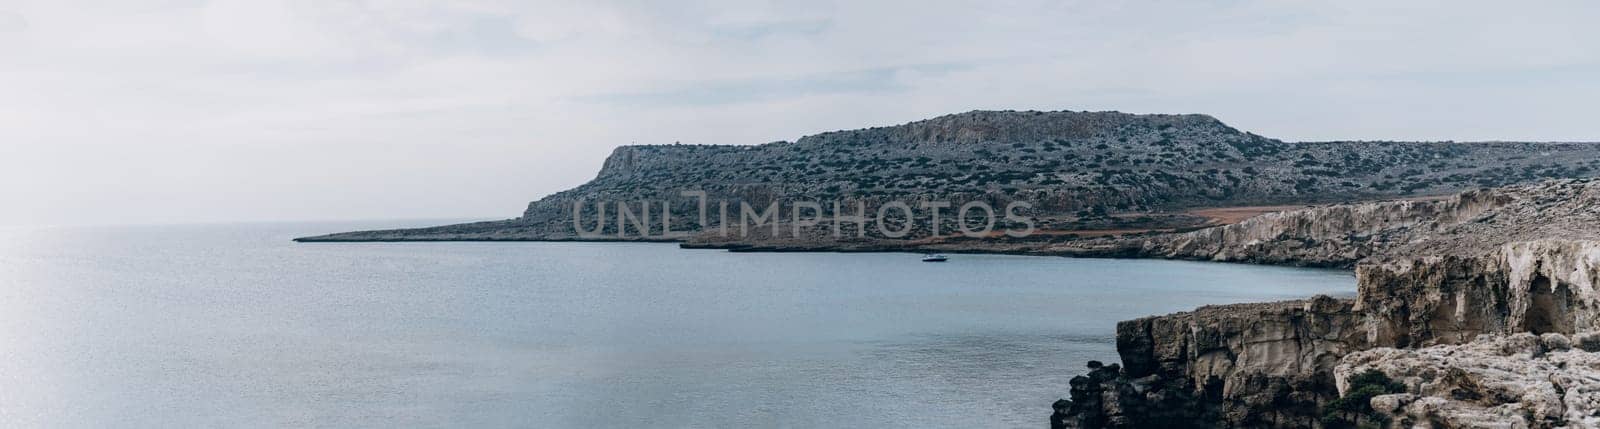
(235, 325)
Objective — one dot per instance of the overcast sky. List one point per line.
(177, 111)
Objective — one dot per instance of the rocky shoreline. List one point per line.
(1240, 365)
(1450, 288)
(1481, 310)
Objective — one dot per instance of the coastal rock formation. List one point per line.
(1470, 223)
(1542, 286)
(1475, 303)
(1337, 235)
(1494, 381)
(1105, 397)
(1080, 171)
(1243, 365)
(1281, 364)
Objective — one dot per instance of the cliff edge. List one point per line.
(1481, 307)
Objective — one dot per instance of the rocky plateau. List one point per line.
(1082, 174)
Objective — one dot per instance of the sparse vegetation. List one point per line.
(1354, 409)
(1102, 163)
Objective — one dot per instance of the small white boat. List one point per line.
(934, 257)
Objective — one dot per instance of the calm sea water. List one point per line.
(234, 325)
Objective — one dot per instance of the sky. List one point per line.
(180, 111)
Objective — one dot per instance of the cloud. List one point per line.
(764, 29)
(12, 22)
(876, 81)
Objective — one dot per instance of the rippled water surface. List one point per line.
(235, 325)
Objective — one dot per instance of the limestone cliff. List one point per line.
(1246, 365)
(1336, 235)
(1449, 293)
(1542, 286)
(1278, 364)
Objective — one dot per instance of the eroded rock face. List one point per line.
(1472, 223)
(1337, 235)
(1480, 315)
(1541, 286)
(1244, 365)
(1321, 236)
(1107, 398)
(1495, 381)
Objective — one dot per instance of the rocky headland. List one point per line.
(1476, 263)
(1082, 175)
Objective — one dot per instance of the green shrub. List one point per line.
(1356, 404)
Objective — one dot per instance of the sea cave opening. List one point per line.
(1548, 307)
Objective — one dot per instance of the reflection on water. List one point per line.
(235, 325)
